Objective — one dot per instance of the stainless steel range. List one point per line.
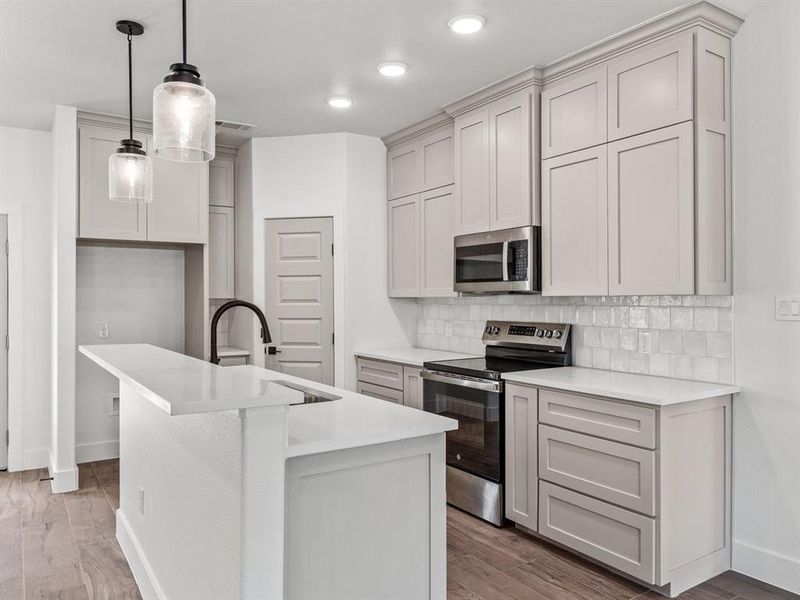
(471, 390)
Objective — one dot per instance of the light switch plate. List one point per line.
(787, 308)
(102, 330)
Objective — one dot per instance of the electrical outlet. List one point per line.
(113, 405)
(102, 331)
(787, 308)
(448, 329)
(645, 342)
(141, 502)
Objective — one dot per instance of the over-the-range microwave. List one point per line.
(508, 260)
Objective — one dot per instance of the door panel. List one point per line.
(3, 349)
(472, 210)
(436, 235)
(651, 212)
(101, 218)
(179, 211)
(412, 387)
(220, 252)
(436, 159)
(221, 174)
(510, 159)
(575, 224)
(520, 445)
(299, 293)
(404, 169)
(404, 247)
(574, 113)
(651, 87)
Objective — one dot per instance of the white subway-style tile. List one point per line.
(659, 318)
(584, 315)
(705, 368)
(602, 316)
(609, 337)
(629, 339)
(706, 319)
(638, 317)
(671, 342)
(681, 318)
(719, 345)
(681, 367)
(694, 343)
(600, 358)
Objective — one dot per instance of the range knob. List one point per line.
(539, 332)
(548, 334)
(488, 330)
(556, 334)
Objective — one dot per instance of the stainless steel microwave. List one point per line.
(508, 260)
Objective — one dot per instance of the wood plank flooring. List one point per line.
(63, 547)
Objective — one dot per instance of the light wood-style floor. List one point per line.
(63, 547)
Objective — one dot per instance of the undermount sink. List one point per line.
(310, 396)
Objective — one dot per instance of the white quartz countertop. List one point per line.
(182, 385)
(354, 420)
(411, 356)
(645, 389)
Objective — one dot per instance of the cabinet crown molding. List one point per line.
(529, 77)
(438, 120)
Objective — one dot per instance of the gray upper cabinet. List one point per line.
(221, 252)
(178, 212)
(574, 113)
(221, 175)
(436, 159)
(100, 217)
(436, 236)
(472, 210)
(403, 169)
(651, 87)
(404, 247)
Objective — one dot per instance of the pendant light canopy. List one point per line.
(130, 170)
(184, 113)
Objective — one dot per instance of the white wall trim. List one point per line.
(768, 566)
(141, 569)
(62, 481)
(16, 326)
(93, 451)
(35, 459)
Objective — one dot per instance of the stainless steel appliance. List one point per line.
(471, 390)
(498, 261)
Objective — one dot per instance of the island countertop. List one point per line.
(182, 385)
(644, 389)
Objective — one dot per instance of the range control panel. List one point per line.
(553, 336)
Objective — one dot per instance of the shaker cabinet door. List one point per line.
(521, 484)
(404, 246)
(574, 113)
(179, 211)
(221, 173)
(651, 213)
(436, 159)
(412, 387)
(651, 87)
(472, 209)
(575, 224)
(436, 236)
(100, 217)
(510, 197)
(404, 169)
(220, 252)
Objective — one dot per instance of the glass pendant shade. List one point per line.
(184, 126)
(130, 177)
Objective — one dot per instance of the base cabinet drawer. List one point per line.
(617, 537)
(385, 374)
(616, 421)
(617, 473)
(380, 392)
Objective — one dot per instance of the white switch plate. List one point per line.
(102, 331)
(113, 405)
(645, 342)
(787, 308)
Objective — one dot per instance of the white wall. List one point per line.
(339, 175)
(26, 179)
(138, 292)
(766, 516)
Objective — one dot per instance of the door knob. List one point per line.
(273, 350)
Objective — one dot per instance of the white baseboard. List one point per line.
(765, 565)
(35, 459)
(65, 480)
(137, 561)
(96, 451)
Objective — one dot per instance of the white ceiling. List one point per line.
(273, 63)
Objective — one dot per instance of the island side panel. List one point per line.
(186, 541)
(368, 522)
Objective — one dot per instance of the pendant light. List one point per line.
(184, 113)
(130, 170)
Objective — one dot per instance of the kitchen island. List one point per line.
(232, 487)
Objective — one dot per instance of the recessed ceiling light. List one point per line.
(340, 102)
(466, 24)
(392, 69)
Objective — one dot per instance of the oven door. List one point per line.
(477, 404)
(497, 261)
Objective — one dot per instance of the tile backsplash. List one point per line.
(688, 337)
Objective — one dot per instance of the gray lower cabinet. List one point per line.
(390, 381)
(642, 489)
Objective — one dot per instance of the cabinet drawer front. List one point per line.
(667, 67)
(574, 113)
(603, 418)
(381, 373)
(617, 537)
(380, 392)
(614, 472)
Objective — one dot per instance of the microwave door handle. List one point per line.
(505, 261)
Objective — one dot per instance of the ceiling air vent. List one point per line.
(231, 126)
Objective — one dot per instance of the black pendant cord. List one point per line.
(130, 88)
(184, 31)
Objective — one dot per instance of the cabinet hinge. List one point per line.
(7, 248)
(7, 342)
(333, 338)
(331, 249)
(8, 442)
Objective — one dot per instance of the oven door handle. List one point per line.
(505, 261)
(489, 386)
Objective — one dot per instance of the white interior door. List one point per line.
(299, 293)
(3, 346)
